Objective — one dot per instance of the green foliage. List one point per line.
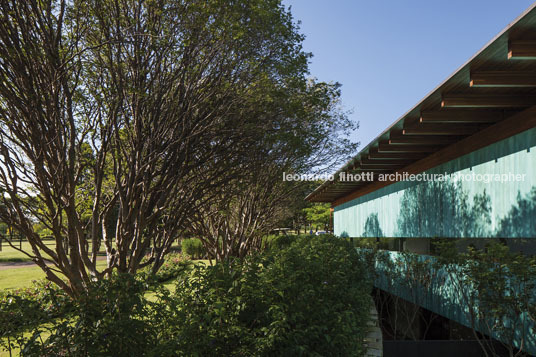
(324, 305)
(21, 309)
(109, 320)
(372, 243)
(42, 230)
(174, 265)
(306, 298)
(24, 308)
(318, 215)
(497, 285)
(278, 242)
(193, 248)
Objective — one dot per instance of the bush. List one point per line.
(108, 321)
(29, 307)
(174, 265)
(325, 299)
(304, 299)
(193, 248)
(278, 242)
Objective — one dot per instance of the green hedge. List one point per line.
(193, 248)
(26, 308)
(307, 297)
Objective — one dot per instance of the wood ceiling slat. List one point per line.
(503, 79)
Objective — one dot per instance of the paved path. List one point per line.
(15, 265)
(374, 340)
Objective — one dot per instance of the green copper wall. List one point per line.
(454, 208)
(442, 297)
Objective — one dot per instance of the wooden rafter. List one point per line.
(487, 101)
(503, 79)
(382, 162)
(440, 129)
(385, 147)
(462, 116)
(423, 140)
(395, 156)
(516, 124)
(522, 49)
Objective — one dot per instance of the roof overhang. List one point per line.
(491, 95)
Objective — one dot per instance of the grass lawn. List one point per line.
(22, 277)
(8, 254)
(19, 277)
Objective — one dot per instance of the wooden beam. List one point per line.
(369, 168)
(395, 156)
(441, 129)
(343, 189)
(386, 162)
(385, 147)
(487, 101)
(376, 166)
(503, 79)
(463, 116)
(522, 50)
(374, 174)
(424, 140)
(516, 124)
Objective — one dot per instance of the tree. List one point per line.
(318, 215)
(235, 222)
(303, 132)
(496, 286)
(131, 115)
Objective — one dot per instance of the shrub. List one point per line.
(109, 320)
(29, 307)
(277, 242)
(305, 299)
(193, 248)
(174, 265)
(323, 296)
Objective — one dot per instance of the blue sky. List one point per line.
(389, 54)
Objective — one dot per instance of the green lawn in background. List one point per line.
(19, 277)
(22, 277)
(150, 295)
(9, 254)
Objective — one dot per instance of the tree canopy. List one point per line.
(121, 118)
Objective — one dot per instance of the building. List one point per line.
(476, 132)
